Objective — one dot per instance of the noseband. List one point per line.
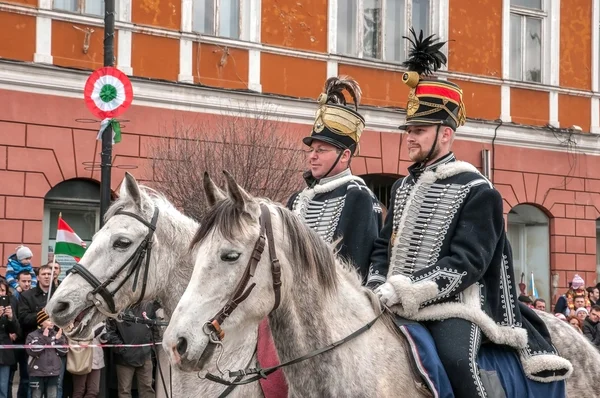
(144, 250)
(213, 327)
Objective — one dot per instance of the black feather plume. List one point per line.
(334, 89)
(425, 56)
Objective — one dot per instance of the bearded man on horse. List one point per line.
(337, 204)
(443, 246)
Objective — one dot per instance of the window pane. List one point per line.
(536, 4)
(229, 19)
(66, 5)
(533, 50)
(394, 30)
(204, 17)
(516, 53)
(372, 29)
(96, 7)
(346, 32)
(82, 221)
(420, 16)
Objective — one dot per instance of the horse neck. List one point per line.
(308, 320)
(176, 262)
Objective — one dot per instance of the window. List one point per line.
(91, 7)
(527, 21)
(529, 236)
(374, 28)
(78, 201)
(222, 18)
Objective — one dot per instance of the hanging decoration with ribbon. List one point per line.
(108, 93)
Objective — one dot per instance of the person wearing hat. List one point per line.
(18, 262)
(45, 364)
(566, 303)
(337, 204)
(443, 247)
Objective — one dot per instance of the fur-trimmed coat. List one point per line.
(444, 251)
(342, 207)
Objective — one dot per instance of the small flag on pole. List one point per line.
(534, 292)
(67, 241)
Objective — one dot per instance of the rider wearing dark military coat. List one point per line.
(337, 204)
(443, 247)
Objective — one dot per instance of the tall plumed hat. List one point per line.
(335, 122)
(430, 101)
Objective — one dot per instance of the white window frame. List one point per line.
(244, 23)
(438, 25)
(63, 206)
(545, 16)
(81, 9)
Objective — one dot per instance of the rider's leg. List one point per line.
(457, 342)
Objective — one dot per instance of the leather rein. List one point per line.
(143, 252)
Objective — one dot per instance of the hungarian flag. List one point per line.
(67, 241)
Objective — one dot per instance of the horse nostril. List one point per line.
(181, 346)
(61, 306)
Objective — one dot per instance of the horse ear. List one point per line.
(236, 193)
(212, 191)
(131, 189)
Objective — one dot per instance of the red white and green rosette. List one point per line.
(108, 93)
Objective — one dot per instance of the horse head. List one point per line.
(127, 261)
(232, 281)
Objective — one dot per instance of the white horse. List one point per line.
(321, 301)
(170, 268)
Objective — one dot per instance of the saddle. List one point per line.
(500, 367)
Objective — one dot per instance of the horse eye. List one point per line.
(121, 243)
(230, 256)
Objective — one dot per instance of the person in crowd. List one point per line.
(45, 363)
(539, 304)
(337, 204)
(133, 361)
(576, 322)
(55, 267)
(591, 326)
(593, 295)
(24, 283)
(31, 302)
(17, 262)
(526, 300)
(581, 313)
(566, 303)
(88, 385)
(9, 329)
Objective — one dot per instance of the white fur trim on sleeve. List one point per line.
(412, 294)
(533, 364)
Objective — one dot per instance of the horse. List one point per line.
(312, 298)
(169, 266)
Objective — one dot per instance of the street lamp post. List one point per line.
(106, 154)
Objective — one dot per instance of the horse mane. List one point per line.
(148, 196)
(312, 258)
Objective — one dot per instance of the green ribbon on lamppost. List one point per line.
(116, 129)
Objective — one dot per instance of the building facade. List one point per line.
(529, 70)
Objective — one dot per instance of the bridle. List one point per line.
(143, 251)
(215, 334)
(213, 327)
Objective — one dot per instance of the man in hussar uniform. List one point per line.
(443, 246)
(337, 204)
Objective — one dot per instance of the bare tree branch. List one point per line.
(263, 155)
